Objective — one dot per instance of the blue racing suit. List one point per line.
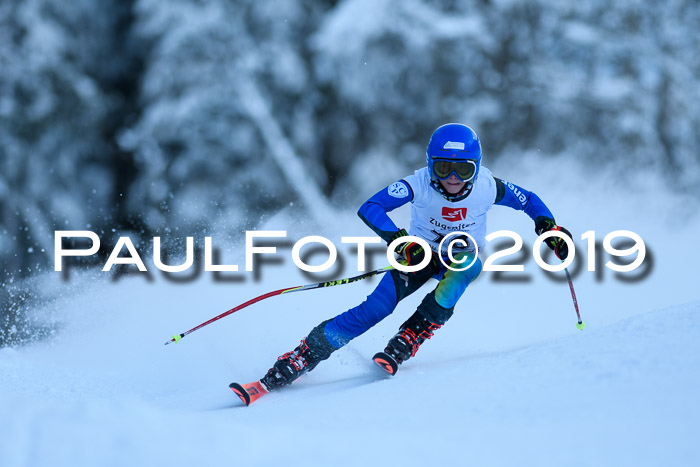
(439, 304)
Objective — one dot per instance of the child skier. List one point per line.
(452, 194)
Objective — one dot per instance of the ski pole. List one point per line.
(580, 325)
(176, 338)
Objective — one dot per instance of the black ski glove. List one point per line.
(413, 254)
(545, 224)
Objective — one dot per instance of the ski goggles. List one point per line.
(464, 170)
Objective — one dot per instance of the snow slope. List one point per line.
(509, 381)
(625, 394)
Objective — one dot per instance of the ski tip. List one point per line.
(248, 393)
(386, 363)
(240, 392)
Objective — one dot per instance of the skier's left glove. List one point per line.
(545, 224)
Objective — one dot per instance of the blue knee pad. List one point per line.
(350, 324)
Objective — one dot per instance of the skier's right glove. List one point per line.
(545, 224)
(412, 253)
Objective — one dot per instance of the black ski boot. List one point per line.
(290, 366)
(412, 334)
(310, 352)
(405, 343)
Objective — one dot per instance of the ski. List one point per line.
(249, 393)
(386, 362)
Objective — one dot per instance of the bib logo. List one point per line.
(398, 190)
(454, 214)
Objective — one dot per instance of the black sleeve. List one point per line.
(500, 190)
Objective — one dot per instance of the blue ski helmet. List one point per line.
(453, 149)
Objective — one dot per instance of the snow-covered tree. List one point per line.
(153, 127)
(598, 81)
(52, 171)
(202, 158)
